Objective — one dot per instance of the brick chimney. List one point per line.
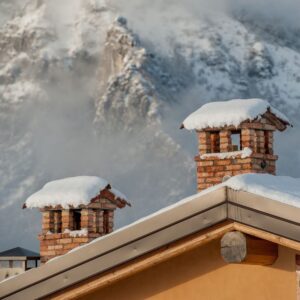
(235, 137)
(74, 212)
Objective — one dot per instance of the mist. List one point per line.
(153, 165)
(157, 21)
(136, 11)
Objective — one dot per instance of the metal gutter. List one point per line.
(263, 213)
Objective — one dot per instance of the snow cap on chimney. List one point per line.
(235, 137)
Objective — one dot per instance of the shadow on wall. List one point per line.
(203, 272)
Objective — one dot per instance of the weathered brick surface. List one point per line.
(256, 135)
(217, 169)
(91, 218)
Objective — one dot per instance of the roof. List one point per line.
(72, 191)
(262, 216)
(230, 113)
(284, 189)
(19, 251)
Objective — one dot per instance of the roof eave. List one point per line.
(123, 245)
(156, 231)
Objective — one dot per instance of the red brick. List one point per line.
(206, 174)
(246, 166)
(244, 160)
(201, 180)
(70, 246)
(48, 252)
(215, 168)
(65, 241)
(80, 239)
(233, 167)
(223, 174)
(223, 162)
(214, 180)
(204, 163)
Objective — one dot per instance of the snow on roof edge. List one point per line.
(284, 189)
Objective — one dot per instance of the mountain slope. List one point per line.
(84, 93)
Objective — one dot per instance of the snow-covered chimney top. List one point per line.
(230, 113)
(235, 137)
(75, 211)
(71, 192)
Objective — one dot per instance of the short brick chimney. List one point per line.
(74, 212)
(235, 137)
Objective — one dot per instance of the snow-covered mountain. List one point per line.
(86, 91)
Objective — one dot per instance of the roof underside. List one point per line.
(18, 251)
(201, 212)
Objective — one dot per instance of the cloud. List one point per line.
(156, 19)
(140, 163)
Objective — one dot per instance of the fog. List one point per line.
(154, 165)
(142, 12)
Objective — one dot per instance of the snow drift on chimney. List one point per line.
(72, 191)
(229, 113)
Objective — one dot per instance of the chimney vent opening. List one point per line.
(76, 219)
(236, 140)
(267, 141)
(263, 164)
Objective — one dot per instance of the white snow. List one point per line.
(20, 91)
(118, 194)
(246, 152)
(279, 188)
(75, 233)
(258, 47)
(228, 113)
(72, 191)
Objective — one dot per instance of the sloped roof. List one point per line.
(284, 189)
(231, 113)
(19, 251)
(191, 215)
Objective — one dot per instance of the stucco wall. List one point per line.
(8, 272)
(201, 274)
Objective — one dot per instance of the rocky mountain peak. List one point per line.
(83, 91)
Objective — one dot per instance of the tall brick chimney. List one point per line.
(235, 137)
(74, 212)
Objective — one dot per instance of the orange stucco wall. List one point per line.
(202, 274)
